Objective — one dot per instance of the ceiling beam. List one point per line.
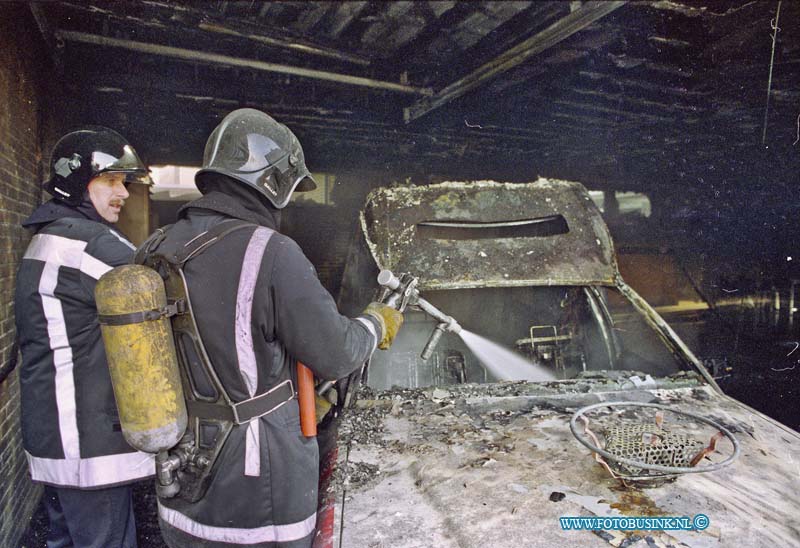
(346, 13)
(579, 19)
(49, 37)
(164, 101)
(294, 45)
(176, 16)
(415, 51)
(228, 61)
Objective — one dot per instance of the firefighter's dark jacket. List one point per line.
(70, 426)
(264, 489)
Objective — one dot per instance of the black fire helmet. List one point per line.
(82, 155)
(252, 148)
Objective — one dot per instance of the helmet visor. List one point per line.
(126, 162)
(241, 149)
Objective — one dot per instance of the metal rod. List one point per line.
(604, 326)
(771, 64)
(665, 332)
(211, 21)
(46, 31)
(433, 341)
(214, 58)
(324, 387)
(287, 44)
(552, 35)
(449, 321)
(433, 311)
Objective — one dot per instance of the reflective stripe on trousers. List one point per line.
(248, 368)
(239, 535)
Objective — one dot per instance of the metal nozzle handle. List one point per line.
(387, 279)
(449, 321)
(433, 341)
(324, 387)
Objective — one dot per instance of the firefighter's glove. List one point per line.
(389, 319)
(322, 407)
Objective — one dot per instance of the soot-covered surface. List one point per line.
(463, 468)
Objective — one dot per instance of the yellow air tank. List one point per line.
(141, 357)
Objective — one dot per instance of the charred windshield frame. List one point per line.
(396, 234)
(570, 330)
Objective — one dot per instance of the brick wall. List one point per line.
(20, 175)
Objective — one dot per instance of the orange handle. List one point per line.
(306, 399)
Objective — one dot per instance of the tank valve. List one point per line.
(166, 468)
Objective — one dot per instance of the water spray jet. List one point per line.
(401, 292)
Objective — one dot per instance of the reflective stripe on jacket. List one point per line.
(70, 425)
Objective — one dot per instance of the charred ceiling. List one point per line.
(637, 95)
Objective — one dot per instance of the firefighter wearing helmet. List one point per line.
(70, 427)
(258, 309)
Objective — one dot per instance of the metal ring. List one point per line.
(657, 467)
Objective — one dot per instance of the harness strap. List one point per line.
(247, 410)
(193, 247)
(177, 307)
(150, 244)
(202, 241)
(219, 410)
(237, 413)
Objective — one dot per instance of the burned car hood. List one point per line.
(488, 234)
(496, 465)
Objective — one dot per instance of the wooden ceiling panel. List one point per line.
(688, 79)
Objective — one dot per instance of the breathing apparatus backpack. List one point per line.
(170, 399)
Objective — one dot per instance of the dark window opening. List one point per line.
(466, 230)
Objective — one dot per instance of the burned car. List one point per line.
(455, 447)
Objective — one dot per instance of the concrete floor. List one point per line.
(763, 375)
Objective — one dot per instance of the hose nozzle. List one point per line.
(386, 278)
(433, 341)
(403, 291)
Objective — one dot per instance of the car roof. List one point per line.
(488, 234)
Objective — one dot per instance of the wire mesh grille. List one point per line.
(649, 445)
